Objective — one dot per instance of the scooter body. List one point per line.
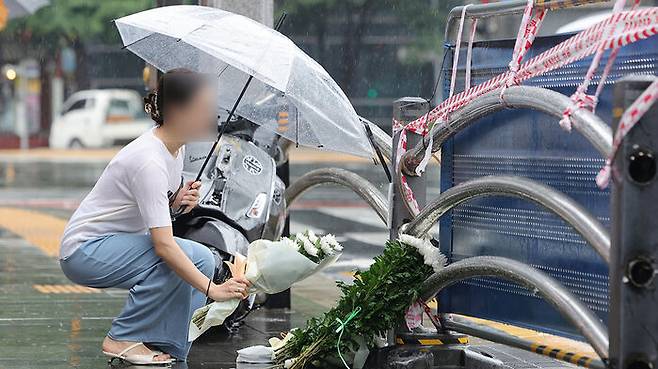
(241, 200)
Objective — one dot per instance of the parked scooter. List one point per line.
(241, 200)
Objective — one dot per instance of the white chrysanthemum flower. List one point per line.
(331, 241)
(432, 256)
(326, 247)
(411, 240)
(299, 238)
(312, 237)
(309, 247)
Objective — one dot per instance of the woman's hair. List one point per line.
(176, 87)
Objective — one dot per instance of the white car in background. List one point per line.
(99, 118)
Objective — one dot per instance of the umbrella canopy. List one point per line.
(21, 8)
(291, 94)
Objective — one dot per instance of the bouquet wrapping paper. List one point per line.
(271, 267)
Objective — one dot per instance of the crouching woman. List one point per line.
(121, 235)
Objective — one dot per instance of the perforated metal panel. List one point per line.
(529, 144)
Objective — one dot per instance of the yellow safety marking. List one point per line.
(463, 340)
(560, 355)
(39, 229)
(587, 362)
(551, 342)
(399, 341)
(430, 341)
(63, 289)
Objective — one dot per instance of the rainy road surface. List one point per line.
(48, 322)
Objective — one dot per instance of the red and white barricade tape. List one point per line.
(528, 30)
(627, 27)
(580, 99)
(421, 128)
(631, 116)
(637, 25)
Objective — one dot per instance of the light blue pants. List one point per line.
(160, 303)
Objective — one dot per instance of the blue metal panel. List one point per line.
(529, 144)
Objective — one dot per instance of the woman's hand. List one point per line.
(188, 196)
(234, 288)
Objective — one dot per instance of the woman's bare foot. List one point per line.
(112, 346)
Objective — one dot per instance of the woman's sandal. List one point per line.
(138, 359)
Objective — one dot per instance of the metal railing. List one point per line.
(569, 306)
(597, 132)
(557, 202)
(521, 97)
(504, 8)
(361, 186)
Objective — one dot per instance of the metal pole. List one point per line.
(405, 110)
(633, 317)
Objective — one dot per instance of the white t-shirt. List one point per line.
(131, 196)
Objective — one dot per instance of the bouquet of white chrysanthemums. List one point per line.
(271, 267)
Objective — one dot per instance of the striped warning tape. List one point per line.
(431, 341)
(556, 353)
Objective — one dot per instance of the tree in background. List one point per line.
(64, 25)
(70, 23)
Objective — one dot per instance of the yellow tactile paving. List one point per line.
(39, 229)
(63, 288)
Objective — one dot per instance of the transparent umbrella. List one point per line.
(291, 94)
(21, 8)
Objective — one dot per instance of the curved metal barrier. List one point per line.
(560, 204)
(565, 302)
(518, 97)
(366, 190)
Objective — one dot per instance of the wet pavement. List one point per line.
(48, 322)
